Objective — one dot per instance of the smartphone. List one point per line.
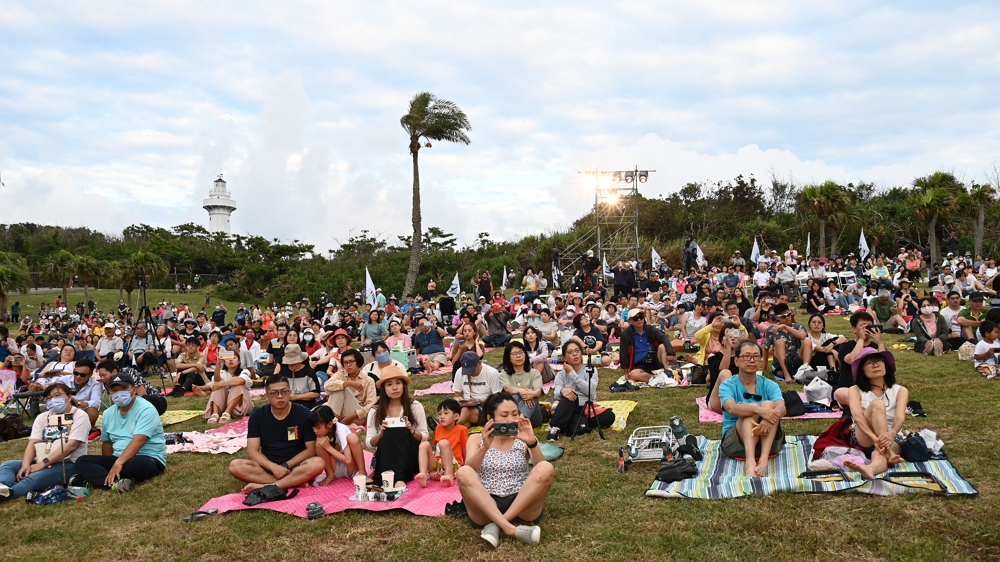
(507, 429)
(873, 328)
(734, 333)
(396, 422)
(460, 341)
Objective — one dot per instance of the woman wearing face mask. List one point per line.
(41, 465)
(382, 360)
(309, 341)
(931, 329)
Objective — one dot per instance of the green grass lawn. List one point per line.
(592, 511)
(107, 300)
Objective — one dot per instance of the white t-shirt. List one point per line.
(486, 383)
(761, 279)
(984, 346)
(41, 430)
(951, 316)
(693, 325)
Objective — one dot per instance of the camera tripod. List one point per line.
(146, 317)
(588, 406)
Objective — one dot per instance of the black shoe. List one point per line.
(553, 434)
(177, 392)
(915, 409)
(314, 511)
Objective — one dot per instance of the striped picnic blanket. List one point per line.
(720, 477)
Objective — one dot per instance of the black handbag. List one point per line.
(793, 404)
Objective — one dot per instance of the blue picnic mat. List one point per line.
(720, 477)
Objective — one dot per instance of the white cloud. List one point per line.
(129, 111)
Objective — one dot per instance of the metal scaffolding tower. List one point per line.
(615, 232)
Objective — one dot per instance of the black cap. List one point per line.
(120, 379)
(418, 316)
(977, 296)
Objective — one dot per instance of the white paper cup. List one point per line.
(388, 479)
(359, 485)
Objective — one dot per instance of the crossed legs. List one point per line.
(527, 505)
(256, 477)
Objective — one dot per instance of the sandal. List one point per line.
(528, 534)
(491, 534)
(225, 418)
(213, 419)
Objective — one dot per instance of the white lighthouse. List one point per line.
(219, 206)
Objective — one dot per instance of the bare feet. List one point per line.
(448, 480)
(894, 459)
(198, 391)
(761, 468)
(751, 468)
(789, 381)
(251, 487)
(421, 479)
(865, 470)
(325, 480)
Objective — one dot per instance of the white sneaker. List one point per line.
(528, 534)
(4, 491)
(491, 534)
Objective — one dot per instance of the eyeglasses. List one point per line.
(750, 358)
(347, 362)
(748, 396)
(785, 315)
(277, 393)
(81, 375)
(516, 353)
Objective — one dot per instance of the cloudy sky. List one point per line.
(113, 113)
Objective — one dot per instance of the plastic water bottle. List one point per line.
(78, 492)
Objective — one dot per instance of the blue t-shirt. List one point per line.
(428, 343)
(141, 419)
(733, 389)
(641, 346)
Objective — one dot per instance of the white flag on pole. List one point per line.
(863, 249)
(370, 290)
(556, 275)
(456, 287)
(701, 255)
(503, 283)
(655, 262)
(755, 252)
(809, 246)
(607, 270)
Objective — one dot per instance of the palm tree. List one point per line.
(982, 197)
(141, 264)
(824, 200)
(60, 269)
(937, 197)
(428, 118)
(89, 269)
(14, 276)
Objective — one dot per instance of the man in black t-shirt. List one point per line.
(869, 334)
(281, 445)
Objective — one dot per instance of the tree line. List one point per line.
(723, 216)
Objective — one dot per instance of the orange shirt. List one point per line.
(456, 437)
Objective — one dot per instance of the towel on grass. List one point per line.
(429, 501)
(169, 417)
(720, 477)
(228, 439)
(708, 416)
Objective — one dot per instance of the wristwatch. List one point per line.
(533, 445)
(45, 461)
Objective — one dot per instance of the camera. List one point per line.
(505, 429)
(143, 281)
(396, 422)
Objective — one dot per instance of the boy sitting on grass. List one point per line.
(450, 438)
(336, 445)
(986, 350)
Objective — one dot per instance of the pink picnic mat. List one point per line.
(429, 501)
(708, 416)
(444, 387)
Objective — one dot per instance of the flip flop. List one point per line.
(199, 515)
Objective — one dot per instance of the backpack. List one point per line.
(793, 404)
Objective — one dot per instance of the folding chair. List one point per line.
(803, 279)
(831, 276)
(846, 278)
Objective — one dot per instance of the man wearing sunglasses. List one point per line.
(752, 409)
(784, 339)
(87, 391)
(644, 348)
